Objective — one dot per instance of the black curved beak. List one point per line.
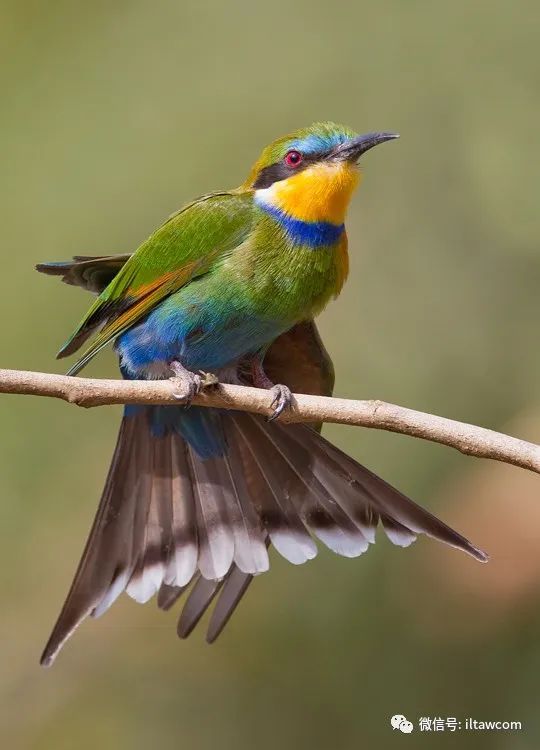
(352, 150)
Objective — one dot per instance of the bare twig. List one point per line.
(466, 438)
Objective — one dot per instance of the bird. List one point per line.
(227, 290)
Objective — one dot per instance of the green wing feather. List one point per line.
(183, 248)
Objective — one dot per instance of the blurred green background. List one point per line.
(113, 115)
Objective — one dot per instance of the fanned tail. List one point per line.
(336, 484)
(173, 517)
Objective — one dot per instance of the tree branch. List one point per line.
(466, 438)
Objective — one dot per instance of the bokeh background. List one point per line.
(113, 115)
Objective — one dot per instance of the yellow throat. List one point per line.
(321, 192)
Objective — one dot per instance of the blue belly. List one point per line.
(201, 336)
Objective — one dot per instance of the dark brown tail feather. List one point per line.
(91, 272)
(357, 490)
(167, 519)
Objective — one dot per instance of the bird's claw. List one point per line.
(189, 384)
(186, 388)
(208, 379)
(282, 399)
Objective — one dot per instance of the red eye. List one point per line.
(293, 158)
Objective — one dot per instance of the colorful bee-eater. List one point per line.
(196, 496)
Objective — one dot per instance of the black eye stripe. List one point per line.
(280, 171)
(274, 173)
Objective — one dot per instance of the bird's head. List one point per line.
(312, 173)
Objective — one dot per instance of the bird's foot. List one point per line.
(282, 399)
(282, 396)
(189, 384)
